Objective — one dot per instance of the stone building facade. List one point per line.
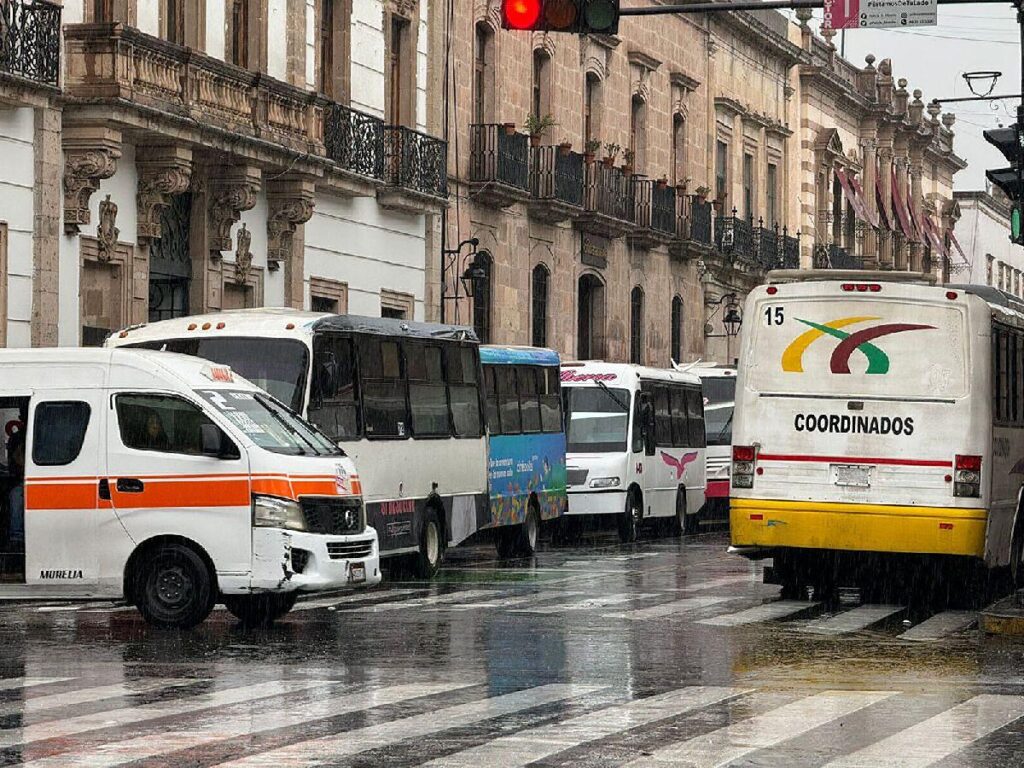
(683, 163)
(176, 156)
(984, 234)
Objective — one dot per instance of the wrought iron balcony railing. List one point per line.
(354, 140)
(415, 161)
(609, 192)
(832, 256)
(701, 216)
(655, 205)
(495, 155)
(30, 40)
(557, 175)
(735, 236)
(775, 248)
(790, 251)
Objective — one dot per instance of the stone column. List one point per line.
(886, 252)
(871, 254)
(46, 227)
(901, 161)
(917, 196)
(290, 205)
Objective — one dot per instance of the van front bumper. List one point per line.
(857, 527)
(289, 561)
(611, 502)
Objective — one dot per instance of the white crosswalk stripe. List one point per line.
(376, 736)
(590, 604)
(938, 737)
(767, 612)
(855, 619)
(210, 730)
(505, 602)
(449, 597)
(87, 695)
(358, 597)
(940, 625)
(724, 581)
(14, 683)
(684, 606)
(55, 729)
(519, 749)
(723, 746)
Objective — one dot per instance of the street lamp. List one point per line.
(980, 78)
(452, 259)
(474, 271)
(732, 316)
(733, 320)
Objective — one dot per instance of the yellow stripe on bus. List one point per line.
(858, 527)
(792, 357)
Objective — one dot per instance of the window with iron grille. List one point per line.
(636, 322)
(539, 299)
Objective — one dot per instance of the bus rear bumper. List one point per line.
(857, 527)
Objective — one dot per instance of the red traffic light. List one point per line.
(521, 14)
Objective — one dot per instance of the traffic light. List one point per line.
(1010, 142)
(580, 16)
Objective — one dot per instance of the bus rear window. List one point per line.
(857, 348)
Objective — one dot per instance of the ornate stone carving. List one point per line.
(243, 256)
(232, 190)
(90, 155)
(289, 203)
(163, 172)
(106, 232)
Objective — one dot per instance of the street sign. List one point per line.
(858, 14)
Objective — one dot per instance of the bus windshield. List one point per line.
(275, 365)
(718, 423)
(268, 424)
(597, 418)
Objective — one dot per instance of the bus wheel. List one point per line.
(176, 588)
(504, 542)
(428, 559)
(260, 610)
(631, 519)
(528, 533)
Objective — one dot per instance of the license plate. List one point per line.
(853, 475)
(358, 572)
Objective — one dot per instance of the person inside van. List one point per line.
(16, 496)
(156, 435)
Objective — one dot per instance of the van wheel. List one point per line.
(631, 520)
(428, 559)
(260, 610)
(176, 588)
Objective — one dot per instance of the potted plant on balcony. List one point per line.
(590, 150)
(703, 192)
(611, 151)
(565, 148)
(510, 128)
(663, 182)
(537, 126)
(627, 162)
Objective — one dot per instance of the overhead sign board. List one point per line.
(859, 14)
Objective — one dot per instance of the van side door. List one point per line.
(65, 528)
(161, 483)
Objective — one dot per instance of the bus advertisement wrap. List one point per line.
(521, 465)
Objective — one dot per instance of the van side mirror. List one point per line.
(216, 444)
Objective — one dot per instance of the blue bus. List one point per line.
(526, 444)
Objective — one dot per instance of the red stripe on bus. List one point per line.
(855, 460)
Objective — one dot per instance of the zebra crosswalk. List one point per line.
(464, 722)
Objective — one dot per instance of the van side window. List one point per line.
(160, 423)
(680, 425)
(383, 387)
(491, 383)
(58, 432)
(662, 417)
(550, 401)
(508, 400)
(529, 397)
(427, 399)
(695, 414)
(463, 390)
(334, 406)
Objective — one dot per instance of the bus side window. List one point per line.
(333, 404)
(637, 436)
(463, 390)
(383, 388)
(695, 416)
(508, 400)
(662, 416)
(680, 428)
(550, 401)
(529, 398)
(428, 401)
(491, 382)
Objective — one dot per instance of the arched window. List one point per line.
(590, 318)
(482, 296)
(636, 325)
(539, 298)
(677, 329)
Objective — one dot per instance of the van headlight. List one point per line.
(275, 512)
(604, 482)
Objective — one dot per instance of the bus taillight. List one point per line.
(743, 459)
(861, 287)
(968, 476)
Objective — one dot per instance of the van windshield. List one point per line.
(870, 348)
(718, 423)
(275, 365)
(268, 424)
(597, 418)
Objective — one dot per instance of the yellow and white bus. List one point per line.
(878, 413)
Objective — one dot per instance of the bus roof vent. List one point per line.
(857, 275)
(992, 295)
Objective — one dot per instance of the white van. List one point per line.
(634, 444)
(172, 483)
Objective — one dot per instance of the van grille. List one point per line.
(576, 476)
(326, 514)
(347, 550)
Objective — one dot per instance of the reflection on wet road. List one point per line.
(665, 653)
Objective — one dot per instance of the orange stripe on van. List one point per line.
(275, 487)
(184, 494)
(64, 496)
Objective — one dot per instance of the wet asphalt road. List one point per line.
(665, 653)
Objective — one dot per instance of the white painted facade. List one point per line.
(984, 233)
(17, 180)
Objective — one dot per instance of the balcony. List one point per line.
(655, 213)
(556, 184)
(30, 41)
(354, 142)
(499, 165)
(609, 208)
(775, 248)
(734, 238)
(415, 171)
(832, 256)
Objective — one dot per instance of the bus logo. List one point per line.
(858, 341)
(678, 464)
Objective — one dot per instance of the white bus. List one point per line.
(634, 445)
(172, 483)
(719, 385)
(879, 421)
(403, 399)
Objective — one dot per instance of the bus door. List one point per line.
(643, 450)
(65, 527)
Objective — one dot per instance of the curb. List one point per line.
(1004, 617)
